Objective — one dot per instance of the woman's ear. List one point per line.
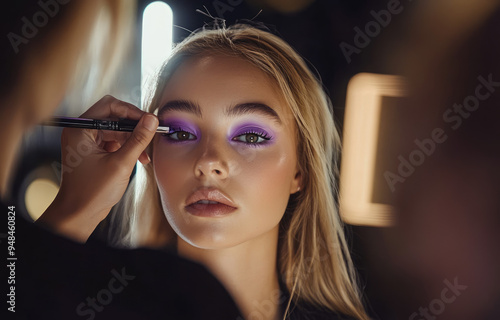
(148, 154)
(296, 183)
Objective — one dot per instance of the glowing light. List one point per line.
(39, 195)
(157, 25)
(360, 179)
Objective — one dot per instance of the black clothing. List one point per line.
(306, 311)
(56, 278)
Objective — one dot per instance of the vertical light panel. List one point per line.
(365, 197)
(157, 25)
(156, 47)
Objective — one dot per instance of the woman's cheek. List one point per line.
(170, 166)
(264, 167)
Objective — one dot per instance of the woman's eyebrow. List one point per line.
(181, 105)
(236, 110)
(252, 107)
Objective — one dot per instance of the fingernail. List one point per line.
(150, 122)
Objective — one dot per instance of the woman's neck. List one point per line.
(248, 271)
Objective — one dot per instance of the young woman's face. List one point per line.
(229, 165)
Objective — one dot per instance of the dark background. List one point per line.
(315, 28)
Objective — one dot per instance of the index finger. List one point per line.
(110, 107)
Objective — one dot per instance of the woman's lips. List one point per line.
(209, 209)
(209, 202)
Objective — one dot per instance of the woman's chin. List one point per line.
(211, 242)
(209, 239)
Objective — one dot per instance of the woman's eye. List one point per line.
(181, 136)
(251, 138)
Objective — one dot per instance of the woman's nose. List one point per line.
(212, 163)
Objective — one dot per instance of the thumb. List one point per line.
(139, 140)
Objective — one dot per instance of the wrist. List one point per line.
(67, 218)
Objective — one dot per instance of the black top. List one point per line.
(306, 311)
(52, 277)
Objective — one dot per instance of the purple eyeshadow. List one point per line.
(177, 125)
(180, 124)
(248, 128)
(251, 127)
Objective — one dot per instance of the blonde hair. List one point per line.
(313, 256)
